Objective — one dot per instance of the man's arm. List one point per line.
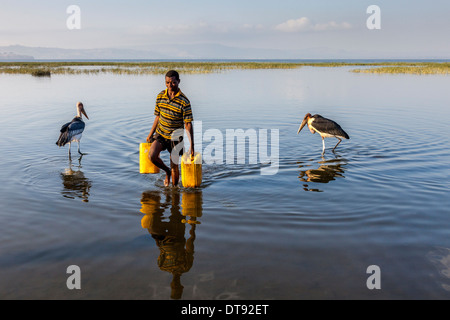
(152, 131)
(190, 129)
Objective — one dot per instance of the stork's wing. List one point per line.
(64, 126)
(76, 127)
(69, 130)
(329, 126)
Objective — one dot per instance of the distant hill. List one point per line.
(201, 51)
(11, 56)
(44, 53)
(173, 51)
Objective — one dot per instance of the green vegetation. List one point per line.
(142, 68)
(416, 68)
(136, 68)
(41, 73)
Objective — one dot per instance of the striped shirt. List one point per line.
(172, 113)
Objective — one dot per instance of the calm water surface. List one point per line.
(308, 232)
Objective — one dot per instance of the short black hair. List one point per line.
(173, 73)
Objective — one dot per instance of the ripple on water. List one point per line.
(378, 198)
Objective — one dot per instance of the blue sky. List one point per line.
(329, 27)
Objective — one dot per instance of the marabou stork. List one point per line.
(72, 131)
(325, 127)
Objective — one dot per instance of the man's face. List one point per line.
(172, 83)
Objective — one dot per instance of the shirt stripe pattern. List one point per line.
(172, 113)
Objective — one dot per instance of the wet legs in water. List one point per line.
(323, 144)
(70, 144)
(82, 154)
(337, 143)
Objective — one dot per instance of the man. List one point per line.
(172, 112)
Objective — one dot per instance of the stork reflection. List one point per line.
(176, 253)
(327, 171)
(76, 185)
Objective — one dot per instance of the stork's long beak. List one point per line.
(84, 112)
(302, 125)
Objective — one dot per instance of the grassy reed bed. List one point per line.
(419, 69)
(134, 68)
(142, 68)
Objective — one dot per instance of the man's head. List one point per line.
(173, 73)
(172, 80)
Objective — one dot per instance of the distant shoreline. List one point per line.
(142, 67)
(219, 60)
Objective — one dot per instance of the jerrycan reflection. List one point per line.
(75, 184)
(176, 252)
(191, 206)
(327, 171)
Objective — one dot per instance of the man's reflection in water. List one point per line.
(176, 253)
(76, 185)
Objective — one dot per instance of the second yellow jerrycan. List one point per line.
(191, 170)
(145, 164)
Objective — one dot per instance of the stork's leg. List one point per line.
(69, 149)
(337, 143)
(323, 143)
(79, 149)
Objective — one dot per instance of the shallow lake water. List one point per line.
(309, 230)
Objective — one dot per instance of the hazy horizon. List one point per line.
(200, 29)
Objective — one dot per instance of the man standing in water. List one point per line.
(172, 112)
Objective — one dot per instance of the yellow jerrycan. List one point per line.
(145, 164)
(191, 170)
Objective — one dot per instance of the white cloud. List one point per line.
(305, 24)
(332, 26)
(301, 24)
